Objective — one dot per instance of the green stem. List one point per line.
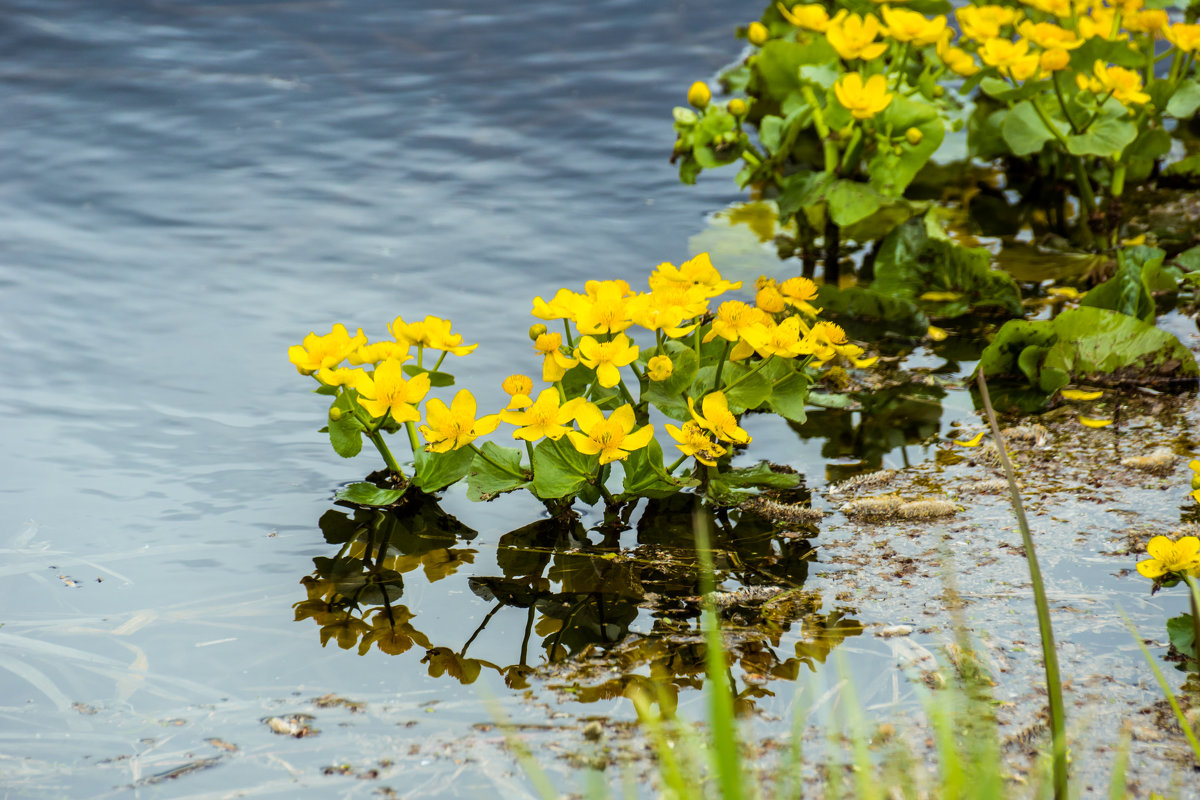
(413, 441)
(604, 492)
(903, 64)
(441, 358)
(1045, 118)
(421, 356)
(529, 451)
(1062, 102)
(721, 365)
(851, 154)
(1086, 196)
(675, 465)
(640, 375)
(377, 439)
(828, 146)
(1049, 650)
(625, 392)
(1118, 179)
(1192, 597)
(567, 328)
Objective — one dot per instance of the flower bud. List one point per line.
(699, 94)
(939, 90)
(914, 136)
(737, 106)
(757, 34)
(518, 384)
(659, 368)
(335, 414)
(535, 331)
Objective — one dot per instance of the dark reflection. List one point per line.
(599, 621)
(883, 420)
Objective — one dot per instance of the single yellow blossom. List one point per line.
(659, 368)
(1167, 556)
(1049, 36)
(315, 352)
(863, 100)
(957, 60)
(904, 25)
(391, 393)
(1054, 60)
(561, 306)
(797, 292)
(694, 440)
(1078, 394)
(1149, 21)
(827, 340)
(718, 419)
(519, 388)
(613, 438)
(770, 299)
(547, 417)
(697, 272)
(556, 363)
(454, 427)
(809, 17)
(432, 332)
(1010, 58)
(853, 36)
(379, 351)
(671, 308)
(606, 358)
(1124, 84)
(1184, 36)
(699, 94)
(605, 308)
(937, 334)
(732, 320)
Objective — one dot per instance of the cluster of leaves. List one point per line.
(1108, 339)
(703, 365)
(846, 101)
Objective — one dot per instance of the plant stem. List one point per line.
(721, 365)
(441, 358)
(675, 465)
(1062, 103)
(413, 441)
(1049, 651)
(900, 71)
(567, 328)
(625, 392)
(377, 439)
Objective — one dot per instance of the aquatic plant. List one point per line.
(701, 363)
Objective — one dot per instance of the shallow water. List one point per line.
(190, 188)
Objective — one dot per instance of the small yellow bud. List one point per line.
(914, 136)
(659, 368)
(699, 94)
(757, 34)
(535, 331)
(335, 414)
(737, 106)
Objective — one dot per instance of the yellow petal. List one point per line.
(937, 334)
(974, 441)
(1078, 394)
(940, 297)
(1151, 568)
(1161, 548)
(1095, 423)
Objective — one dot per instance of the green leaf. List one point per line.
(1182, 634)
(368, 494)
(345, 433)
(776, 68)
(559, 470)
(732, 486)
(1108, 136)
(1087, 345)
(1187, 167)
(667, 395)
(1128, 291)
(749, 392)
(843, 402)
(868, 314)
(851, 201)
(790, 396)
(1186, 100)
(642, 469)
(436, 379)
(912, 263)
(1024, 132)
(891, 173)
(436, 471)
(485, 480)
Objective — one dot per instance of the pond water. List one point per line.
(189, 189)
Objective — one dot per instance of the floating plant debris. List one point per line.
(787, 513)
(1159, 462)
(867, 481)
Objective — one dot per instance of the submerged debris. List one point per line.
(893, 630)
(1034, 434)
(788, 513)
(872, 509)
(1158, 462)
(865, 481)
(927, 509)
(295, 725)
(986, 486)
(749, 595)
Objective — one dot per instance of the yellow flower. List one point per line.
(695, 441)
(770, 299)
(456, 426)
(390, 392)
(668, 307)
(561, 306)
(613, 438)
(853, 36)
(1049, 36)
(699, 272)
(718, 419)
(605, 308)
(982, 23)
(379, 351)
(1124, 84)
(519, 388)
(784, 340)
(432, 332)
(862, 100)
(1149, 21)
(827, 340)
(1194, 465)
(356, 379)
(1167, 556)
(810, 17)
(1185, 37)
(315, 352)
(1011, 58)
(910, 26)
(606, 358)
(1098, 23)
(958, 61)
(733, 319)
(797, 292)
(545, 418)
(555, 364)
(1054, 60)
(659, 368)
(699, 94)
(914, 136)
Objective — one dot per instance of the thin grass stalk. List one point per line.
(725, 751)
(868, 787)
(1116, 786)
(1058, 728)
(533, 770)
(674, 783)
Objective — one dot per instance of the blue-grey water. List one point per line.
(188, 188)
